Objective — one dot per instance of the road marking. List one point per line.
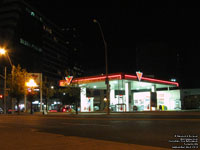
(84, 124)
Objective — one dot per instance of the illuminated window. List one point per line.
(55, 39)
(28, 44)
(47, 29)
(32, 13)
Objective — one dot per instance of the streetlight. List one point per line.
(4, 52)
(31, 84)
(106, 63)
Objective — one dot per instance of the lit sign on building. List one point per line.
(139, 75)
(66, 82)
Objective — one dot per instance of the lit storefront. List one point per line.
(128, 91)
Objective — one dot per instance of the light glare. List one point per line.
(31, 83)
(2, 51)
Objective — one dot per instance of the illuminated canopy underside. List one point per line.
(118, 80)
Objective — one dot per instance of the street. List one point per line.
(151, 130)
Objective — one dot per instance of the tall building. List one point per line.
(36, 43)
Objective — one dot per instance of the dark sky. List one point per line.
(160, 38)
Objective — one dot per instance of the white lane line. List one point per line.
(84, 124)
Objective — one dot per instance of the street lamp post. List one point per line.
(4, 97)
(4, 52)
(106, 63)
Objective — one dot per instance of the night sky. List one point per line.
(158, 38)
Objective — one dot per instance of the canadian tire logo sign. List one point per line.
(139, 75)
(66, 82)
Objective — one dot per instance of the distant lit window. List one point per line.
(32, 13)
(55, 39)
(47, 29)
(173, 80)
(24, 42)
(28, 44)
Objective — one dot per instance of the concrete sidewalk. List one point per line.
(26, 139)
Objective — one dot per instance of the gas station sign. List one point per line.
(139, 75)
(66, 82)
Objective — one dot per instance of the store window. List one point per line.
(142, 100)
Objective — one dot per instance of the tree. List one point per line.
(16, 83)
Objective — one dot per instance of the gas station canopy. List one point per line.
(118, 80)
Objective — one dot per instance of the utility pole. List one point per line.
(106, 66)
(4, 103)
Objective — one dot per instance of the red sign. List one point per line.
(66, 82)
(139, 75)
(69, 79)
(63, 83)
(37, 77)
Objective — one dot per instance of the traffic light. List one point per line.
(1, 96)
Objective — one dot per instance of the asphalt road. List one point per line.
(148, 129)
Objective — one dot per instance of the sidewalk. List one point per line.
(23, 139)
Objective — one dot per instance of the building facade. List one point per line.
(36, 43)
